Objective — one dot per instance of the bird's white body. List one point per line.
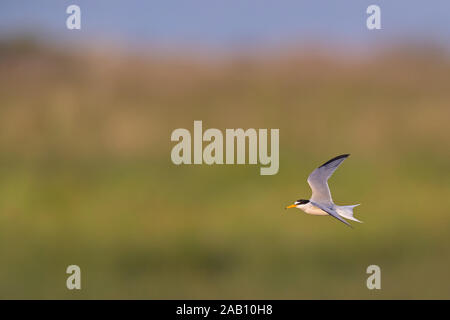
(343, 211)
(312, 209)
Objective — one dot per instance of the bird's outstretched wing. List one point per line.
(331, 212)
(318, 180)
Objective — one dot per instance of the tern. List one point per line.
(321, 203)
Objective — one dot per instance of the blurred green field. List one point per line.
(86, 176)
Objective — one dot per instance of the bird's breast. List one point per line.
(310, 209)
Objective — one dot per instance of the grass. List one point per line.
(86, 177)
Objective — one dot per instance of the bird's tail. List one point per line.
(347, 212)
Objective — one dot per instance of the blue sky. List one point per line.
(229, 23)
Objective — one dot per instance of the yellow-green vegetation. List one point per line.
(86, 176)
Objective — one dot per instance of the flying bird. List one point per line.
(321, 203)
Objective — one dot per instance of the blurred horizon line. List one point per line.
(323, 49)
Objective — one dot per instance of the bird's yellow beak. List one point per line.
(291, 206)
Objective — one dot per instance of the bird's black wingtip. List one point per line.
(336, 158)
